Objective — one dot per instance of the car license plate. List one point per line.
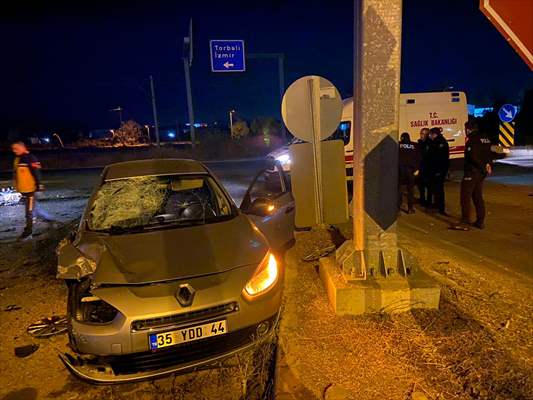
(189, 334)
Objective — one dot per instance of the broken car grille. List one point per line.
(177, 319)
(201, 350)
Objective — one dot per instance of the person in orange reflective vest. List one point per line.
(27, 181)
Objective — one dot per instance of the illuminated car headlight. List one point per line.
(265, 276)
(284, 159)
(88, 308)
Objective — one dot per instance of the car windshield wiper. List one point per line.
(176, 222)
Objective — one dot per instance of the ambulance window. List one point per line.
(455, 94)
(410, 101)
(456, 99)
(342, 132)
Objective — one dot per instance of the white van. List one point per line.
(447, 110)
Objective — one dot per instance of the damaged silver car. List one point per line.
(166, 274)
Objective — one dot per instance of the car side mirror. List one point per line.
(260, 207)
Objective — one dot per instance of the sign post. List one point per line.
(281, 76)
(227, 55)
(187, 63)
(311, 109)
(507, 113)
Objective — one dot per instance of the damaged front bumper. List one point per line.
(176, 359)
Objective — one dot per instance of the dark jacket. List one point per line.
(26, 173)
(409, 155)
(423, 147)
(477, 154)
(438, 157)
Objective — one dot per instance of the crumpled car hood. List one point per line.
(162, 255)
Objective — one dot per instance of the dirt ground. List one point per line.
(27, 280)
(478, 345)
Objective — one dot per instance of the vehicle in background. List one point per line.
(166, 274)
(447, 110)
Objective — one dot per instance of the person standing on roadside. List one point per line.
(477, 165)
(27, 181)
(409, 160)
(438, 159)
(421, 178)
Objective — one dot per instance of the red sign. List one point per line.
(513, 18)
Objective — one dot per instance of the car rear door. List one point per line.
(268, 202)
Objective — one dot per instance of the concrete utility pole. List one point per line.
(375, 275)
(154, 110)
(377, 31)
(189, 100)
(281, 79)
(231, 122)
(187, 62)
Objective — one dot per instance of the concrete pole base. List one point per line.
(385, 295)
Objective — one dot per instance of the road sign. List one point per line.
(507, 113)
(507, 134)
(227, 55)
(311, 109)
(513, 19)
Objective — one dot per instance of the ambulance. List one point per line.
(446, 110)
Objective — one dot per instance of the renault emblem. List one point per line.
(185, 295)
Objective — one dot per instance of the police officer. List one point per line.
(27, 181)
(409, 160)
(421, 178)
(438, 160)
(477, 165)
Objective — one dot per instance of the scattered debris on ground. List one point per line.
(12, 307)
(47, 327)
(25, 351)
(9, 197)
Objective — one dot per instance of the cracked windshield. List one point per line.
(149, 202)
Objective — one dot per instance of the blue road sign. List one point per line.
(227, 55)
(507, 112)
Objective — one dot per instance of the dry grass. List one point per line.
(477, 346)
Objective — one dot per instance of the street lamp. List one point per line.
(148, 131)
(59, 139)
(231, 122)
(119, 109)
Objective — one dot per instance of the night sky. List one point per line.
(68, 63)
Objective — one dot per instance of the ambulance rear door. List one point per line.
(447, 110)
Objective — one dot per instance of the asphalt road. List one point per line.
(236, 176)
(506, 241)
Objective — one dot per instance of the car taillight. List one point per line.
(265, 276)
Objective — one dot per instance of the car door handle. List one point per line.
(289, 209)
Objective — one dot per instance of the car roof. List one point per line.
(151, 167)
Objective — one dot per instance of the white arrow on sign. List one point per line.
(227, 64)
(508, 113)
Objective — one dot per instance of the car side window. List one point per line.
(267, 186)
